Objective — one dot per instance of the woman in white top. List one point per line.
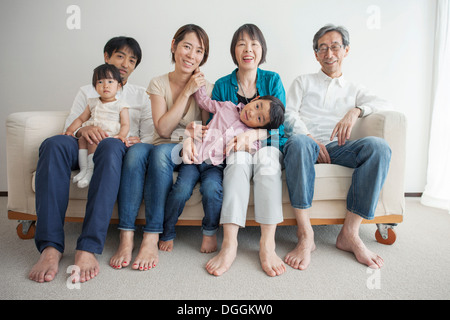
(173, 109)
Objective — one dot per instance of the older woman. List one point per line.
(248, 50)
(173, 108)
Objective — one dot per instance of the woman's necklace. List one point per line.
(242, 88)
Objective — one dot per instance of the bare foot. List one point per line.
(165, 245)
(224, 259)
(352, 243)
(209, 244)
(300, 257)
(122, 257)
(88, 264)
(147, 257)
(271, 262)
(47, 266)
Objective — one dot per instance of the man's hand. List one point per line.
(92, 134)
(344, 127)
(324, 156)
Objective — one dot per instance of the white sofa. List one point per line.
(27, 130)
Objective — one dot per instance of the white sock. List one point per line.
(82, 163)
(83, 183)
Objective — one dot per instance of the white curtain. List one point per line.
(437, 189)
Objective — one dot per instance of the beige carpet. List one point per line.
(416, 266)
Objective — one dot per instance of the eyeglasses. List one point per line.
(334, 48)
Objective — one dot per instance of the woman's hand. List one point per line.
(245, 140)
(196, 81)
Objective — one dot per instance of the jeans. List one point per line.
(132, 182)
(58, 156)
(160, 164)
(211, 189)
(369, 157)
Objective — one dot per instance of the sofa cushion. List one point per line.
(332, 183)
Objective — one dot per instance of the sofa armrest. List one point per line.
(25, 132)
(391, 126)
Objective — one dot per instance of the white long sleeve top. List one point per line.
(315, 103)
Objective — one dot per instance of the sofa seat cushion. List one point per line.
(332, 183)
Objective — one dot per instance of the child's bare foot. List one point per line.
(270, 261)
(88, 264)
(224, 259)
(353, 243)
(122, 257)
(165, 245)
(47, 266)
(209, 244)
(147, 257)
(300, 257)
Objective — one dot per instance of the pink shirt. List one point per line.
(223, 127)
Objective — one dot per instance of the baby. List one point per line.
(106, 112)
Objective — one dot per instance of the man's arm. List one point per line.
(293, 124)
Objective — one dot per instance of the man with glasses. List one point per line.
(321, 110)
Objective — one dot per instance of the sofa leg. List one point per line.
(385, 233)
(26, 229)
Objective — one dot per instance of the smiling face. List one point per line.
(256, 114)
(188, 53)
(124, 60)
(331, 60)
(248, 52)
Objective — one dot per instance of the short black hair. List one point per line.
(118, 43)
(106, 71)
(276, 112)
(255, 34)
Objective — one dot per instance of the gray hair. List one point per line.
(329, 28)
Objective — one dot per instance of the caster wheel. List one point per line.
(28, 234)
(389, 237)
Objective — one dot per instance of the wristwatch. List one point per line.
(361, 113)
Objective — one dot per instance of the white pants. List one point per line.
(265, 168)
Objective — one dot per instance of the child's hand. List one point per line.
(121, 138)
(132, 140)
(67, 133)
(196, 131)
(189, 152)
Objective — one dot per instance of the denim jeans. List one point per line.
(212, 194)
(369, 157)
(132, 183)
(58, 156)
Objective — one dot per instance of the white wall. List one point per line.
(43, 62)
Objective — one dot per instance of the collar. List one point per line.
(324, 77)
(240, 107)
(234, 78)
